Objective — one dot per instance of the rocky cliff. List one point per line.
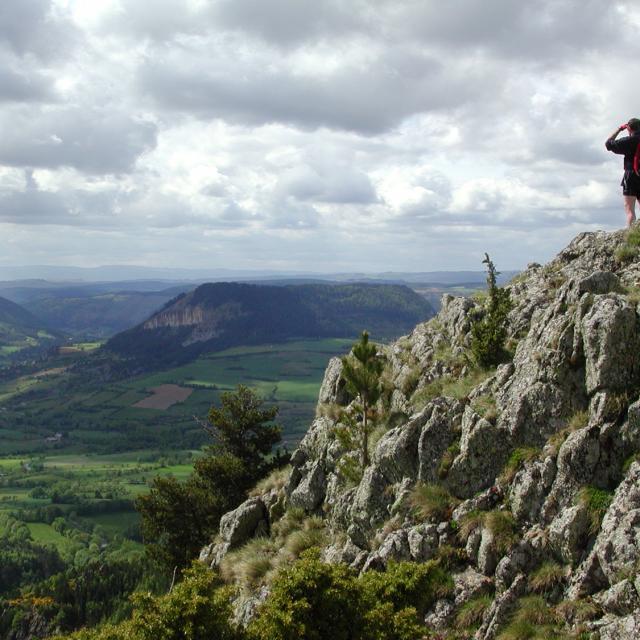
(525, 479)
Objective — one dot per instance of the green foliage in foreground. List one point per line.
(361, 371)
(310, 600)
(316, 601)
(196, 609)
(178, 519)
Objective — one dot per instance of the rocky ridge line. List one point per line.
(535, 442)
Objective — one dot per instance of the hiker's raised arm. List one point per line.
(614, 135)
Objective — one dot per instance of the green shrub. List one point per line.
(312, 600)
(489, 332)
(196, 609)
(596, 501)
(432, 502)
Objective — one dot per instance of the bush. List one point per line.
(196, 609)
(313, 600)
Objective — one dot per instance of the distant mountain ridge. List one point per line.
(20, 330)
(221, 315)
(15, 315)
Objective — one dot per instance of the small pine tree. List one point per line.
(489, 332)
(361, 371)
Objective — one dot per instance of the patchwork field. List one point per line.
(87, 491)
(110, 419)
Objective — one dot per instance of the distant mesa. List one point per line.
(222, 315)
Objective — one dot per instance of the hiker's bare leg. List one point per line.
(630, 209)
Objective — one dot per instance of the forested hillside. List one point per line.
(222, 315)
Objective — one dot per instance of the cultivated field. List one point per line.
(164, 396)
(105, 418)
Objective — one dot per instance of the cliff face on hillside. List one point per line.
(220, 315)
(522, 472)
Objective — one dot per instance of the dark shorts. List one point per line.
(631, 184)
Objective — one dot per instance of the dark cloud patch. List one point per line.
(37, 27)
(335, 184)
(539, 31)
(287, 22)
(368, 99)
(93, 140)
(16, 85)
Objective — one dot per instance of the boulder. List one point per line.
(239, 525)
(310, 492)
(568, 534)
(530, 487)
(621, 599)
(610, 335)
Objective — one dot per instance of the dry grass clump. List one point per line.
(486, 407)
(533, 619)
(432, 502)
(259, 559)
(250, 564)
(578, 421)
(469, 523)
(546, 578)
(451, 387)
(275, 480)
(502, 525)
(579, 611)
(312, 534)
(470, 614)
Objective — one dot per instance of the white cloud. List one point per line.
(309, 135)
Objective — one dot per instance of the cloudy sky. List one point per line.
(315, 135)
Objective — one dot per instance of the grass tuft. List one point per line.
(546, 578)
(275, 480)
(432, 502)
(471, 612)
(596, 501)
(447, 459)
(502, 525)
(516, 461)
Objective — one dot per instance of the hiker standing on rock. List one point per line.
(629, 147)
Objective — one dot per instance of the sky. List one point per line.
(310, 135)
